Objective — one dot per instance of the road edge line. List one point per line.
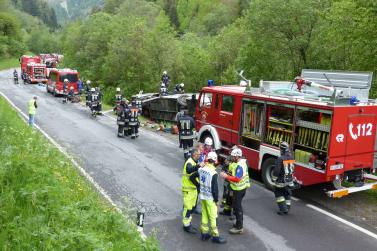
(346, 222)
(73, 161)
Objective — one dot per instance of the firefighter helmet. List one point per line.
(208, 141)
(284, 146)
(65, 80)
(236, 152)
(165, 72)
(182, 85)
(212, 156)
(92, 89)
(118, 89)
(88, 82)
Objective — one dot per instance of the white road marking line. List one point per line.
(65, 153)
(294, 198)
(107, 111)
(350, 224)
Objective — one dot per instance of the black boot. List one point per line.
(226, 212)
(190, 229)
(218, 240)
(204, 237)
(282, 208)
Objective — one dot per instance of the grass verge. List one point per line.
(9, 63)
(46, 205)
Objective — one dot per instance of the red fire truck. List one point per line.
(36, 73)
(25, 60)
(330, 126)
(56, 81)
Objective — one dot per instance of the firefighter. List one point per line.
(99, 93)
(165, 79)
(121, 117)
(186, 126)
(163, 90)
(134, 120)
(15, 76)
(65, 91)
(87, 92)
(71, 94)
(189, 190)
(208, 142)
(282, 176)
(179, 88)
(118, 99)
(209, 194)
(239, 182)
(93, 100)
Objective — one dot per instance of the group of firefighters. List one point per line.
(164, 85)
(127, 115)
(200, 181)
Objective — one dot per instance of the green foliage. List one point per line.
(9, 63)
(45, 204)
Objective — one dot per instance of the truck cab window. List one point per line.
(252, 124)
(227, 104)
(206, 99)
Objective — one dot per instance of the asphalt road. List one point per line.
(146, 173)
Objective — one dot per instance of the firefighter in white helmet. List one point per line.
(179, 88)
(87, 92)
(239, 182)
(209, 194)
(165, 79)
(118, 99)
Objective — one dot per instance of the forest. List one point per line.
(128, 43)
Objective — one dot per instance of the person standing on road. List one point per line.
(239, 182)
(189, 190)
(209, 194)
(32, 108)
(282, 176)
(186, 126)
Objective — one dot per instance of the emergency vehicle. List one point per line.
(36, 73)
(325, 116)
(25, 60)
(56, 78)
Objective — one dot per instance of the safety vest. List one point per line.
(244, 182)
(31, 107)
(206, 174)
(186, 182)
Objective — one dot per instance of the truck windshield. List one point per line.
(71, 77)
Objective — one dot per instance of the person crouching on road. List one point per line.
(239, 182)
(186, 126)
(282, 176)
(32, 109)
(209, 194)
(189, 190)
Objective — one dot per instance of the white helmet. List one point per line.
(208, 141)
(71, 87)
(118, 89)
(92, 89)
(165, 72)
(212, 156)
(88, 82)
(162, 85)
(181, 84)
(236, 152)
(65, 80)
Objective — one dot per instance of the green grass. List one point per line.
(44, 202)
(9, 63)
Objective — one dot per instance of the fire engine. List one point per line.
(35, 73)
(325, 116)
(56, 81)
(24, 61)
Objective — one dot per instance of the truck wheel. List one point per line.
(267, 167)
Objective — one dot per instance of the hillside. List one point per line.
(67, 10)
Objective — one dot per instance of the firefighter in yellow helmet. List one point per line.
(239, 182)
(209, 194)
(189, 190)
